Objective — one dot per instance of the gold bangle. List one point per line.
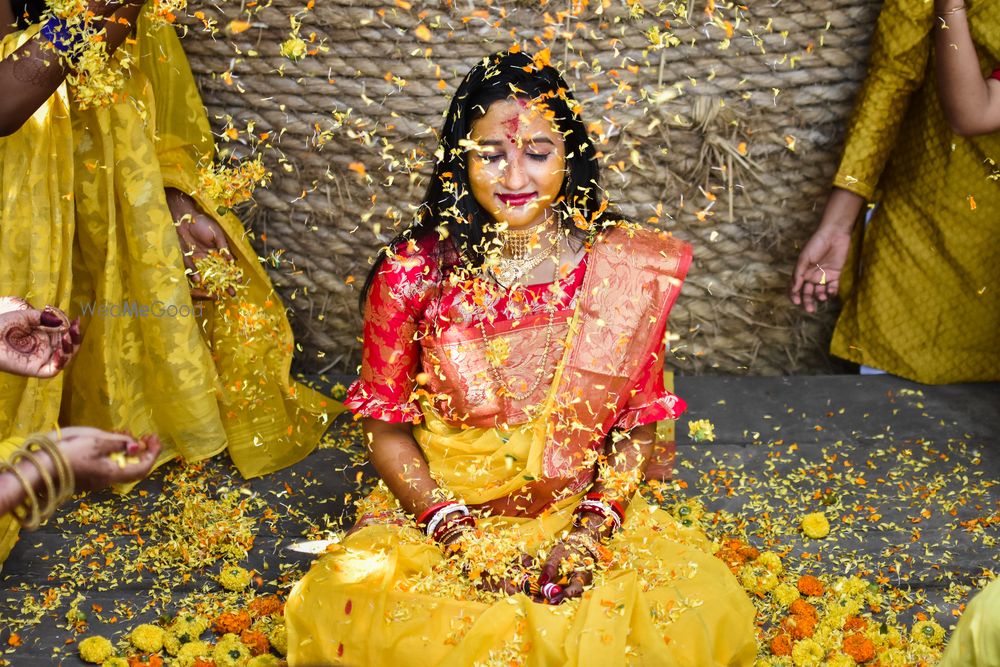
(955, 10)
(29, 517)
(51, 500)
(64, 471)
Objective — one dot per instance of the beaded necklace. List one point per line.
(494, 366)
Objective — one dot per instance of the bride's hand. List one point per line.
(570, 565)
(510, 582)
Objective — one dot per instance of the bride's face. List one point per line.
(516, 164)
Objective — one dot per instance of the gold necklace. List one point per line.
(517, 242)
(494, 366)
(509, 271)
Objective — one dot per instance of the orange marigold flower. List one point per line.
(855, 623)
(859, 647)
(255, 641)
(802, 608)
(153, 660)
(799, 626)
(781, 645)
(810, 585)
(203, 662)
(266, 605)
(231, 622)
(748, 552)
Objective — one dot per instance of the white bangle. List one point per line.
(439, 516)
(604, 509)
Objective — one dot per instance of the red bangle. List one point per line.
(619, 510)
(429, 512)
(615, 505)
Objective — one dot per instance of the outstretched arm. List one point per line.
(971, 103)
(30, 75)
(89, 454)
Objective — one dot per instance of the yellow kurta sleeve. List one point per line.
(900, 48)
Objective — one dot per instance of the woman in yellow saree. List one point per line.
(101, 212)
(511, 381)
(39, 472)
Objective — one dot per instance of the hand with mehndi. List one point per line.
(570, 566)
(100, 459)
(33, 342)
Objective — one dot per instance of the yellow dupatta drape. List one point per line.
(36, 235)
(389, 597)
(204, 376)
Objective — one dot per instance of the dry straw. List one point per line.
(728, 142)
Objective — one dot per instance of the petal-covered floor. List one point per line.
(905, 475)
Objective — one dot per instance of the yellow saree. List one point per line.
(388, 596)
(204, 382)
(85, 202)
(36, 235)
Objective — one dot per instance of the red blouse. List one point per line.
(408, 301)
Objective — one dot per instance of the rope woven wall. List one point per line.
(728, 142)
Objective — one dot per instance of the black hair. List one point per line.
(27, 12)
(448, 201)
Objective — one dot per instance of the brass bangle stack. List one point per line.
(31, 514)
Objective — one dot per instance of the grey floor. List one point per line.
(907, 473)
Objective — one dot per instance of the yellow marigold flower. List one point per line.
(785, 594)
(191, 652)
(891, 638)
(771, 561)
(841, 660)
(701, 430)
(219, 274)
(230, 652)
(278, 636)
(815, 525)
(757, 579)
(232, 183)
(96, 649)
(294, 48)
(187, 628)
(808, 653)
(853, 586)
(927, 633)
(234, 578)
(893, 657)
(115, 661)
(171, 644)
(147, 638)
